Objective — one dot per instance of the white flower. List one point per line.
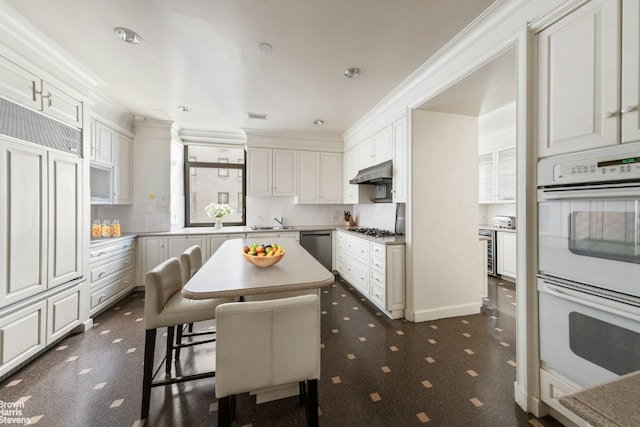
(215, 210)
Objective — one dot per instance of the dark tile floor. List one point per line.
(375, 372)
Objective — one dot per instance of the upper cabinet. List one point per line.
(21, 86)
(585, 99)
(319, 177)
(113, 151)
(376, 149)
(271, 172)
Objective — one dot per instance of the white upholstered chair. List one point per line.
(164, 306)
(263, 344)
(190, 263)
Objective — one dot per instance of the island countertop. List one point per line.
(228, 274)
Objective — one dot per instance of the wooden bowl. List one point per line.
(263, 261)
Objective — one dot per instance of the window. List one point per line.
(212, 178)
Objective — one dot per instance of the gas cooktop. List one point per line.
(374, 232)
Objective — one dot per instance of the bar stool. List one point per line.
(190, 263)
(164, 306)
(263, 344)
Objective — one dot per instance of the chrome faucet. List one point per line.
(279, 221)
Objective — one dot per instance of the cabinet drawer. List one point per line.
(102, 252)
(377, 296)
(377, 263)
(359, 275)
(551, 388)
(377, 250)
(377, 278)
(112, 267)
(359, 249)
(107, 292)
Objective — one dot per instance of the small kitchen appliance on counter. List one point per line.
(508, 222)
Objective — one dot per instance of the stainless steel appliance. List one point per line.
(589, 263)
(492, 260)
(508, 222)
(318, 244)
(374, 232)
(377, 174)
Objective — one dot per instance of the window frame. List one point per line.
(188, 164)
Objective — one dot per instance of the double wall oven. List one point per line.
(589, 263)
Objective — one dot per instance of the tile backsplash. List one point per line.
(376, 215)
(261, 210)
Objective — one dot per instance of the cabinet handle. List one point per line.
(102, 273)
(609, 114)
(101, 298)
(34, 91)
(126, 263)
(126, 282)
(628, 109)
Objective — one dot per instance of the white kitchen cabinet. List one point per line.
(65, 215)
(271, 172)
(39, 222)
(63, 314)
(214, 241)
(23, 221)
(497, 176)
(154, 250)
(630, 71)
(112, 268)
(399, 135)
(377, 271)
(102, 143)
(24, 87)
(507, 260)
(319, 177)
(268, 236)
(377, 149)
(22, 335)
(353, 193)
(176, 245)
(123, 170)
(579, 78)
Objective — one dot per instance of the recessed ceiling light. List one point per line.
(352, 72)
(265, 48)
(257, 116)
(184, 108)
(127, 35)
(318, 122)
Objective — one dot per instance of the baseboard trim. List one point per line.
(445, 312)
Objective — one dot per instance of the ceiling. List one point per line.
(204, 54)
(487, 88)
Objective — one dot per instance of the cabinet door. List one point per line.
(22, 335)
(308, 175)
(486, 166)
(19, 85)
(122, 170)
(176, 245)
(65, 218)
(330, 177)
(365, 153)
(630, 70)
(215, 241)
(507, 254)
(349, 191)
(506, 175)
(578, 94)
(259, 181)
(400, 161)
(383, 145)
(63, 314)
(61, 105)
(104, 138)
(284, 173)
(152, 254)
(23, 221)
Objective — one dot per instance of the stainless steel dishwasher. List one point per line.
(318, 244)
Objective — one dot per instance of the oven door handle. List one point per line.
(589, 192)
(587, 300)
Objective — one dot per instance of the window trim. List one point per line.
(212, 165)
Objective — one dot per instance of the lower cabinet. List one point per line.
(216, 240)
(274, 235)
(552, 387)
(28, 329)
(112, 267)
(376, 270)
(507, 261)
(154, 250)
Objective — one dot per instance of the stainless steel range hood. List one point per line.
(378, 174)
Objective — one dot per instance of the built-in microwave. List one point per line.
(101, 184)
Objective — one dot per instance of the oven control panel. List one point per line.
(598, 169)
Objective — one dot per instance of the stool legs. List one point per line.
(312, 403)
(149, 349)
(169, 361)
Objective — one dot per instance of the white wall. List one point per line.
(375, 215)
(261, 210)
(443, 241)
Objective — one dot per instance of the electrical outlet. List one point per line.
(333, 217)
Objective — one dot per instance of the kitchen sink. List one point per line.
(277, 227)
